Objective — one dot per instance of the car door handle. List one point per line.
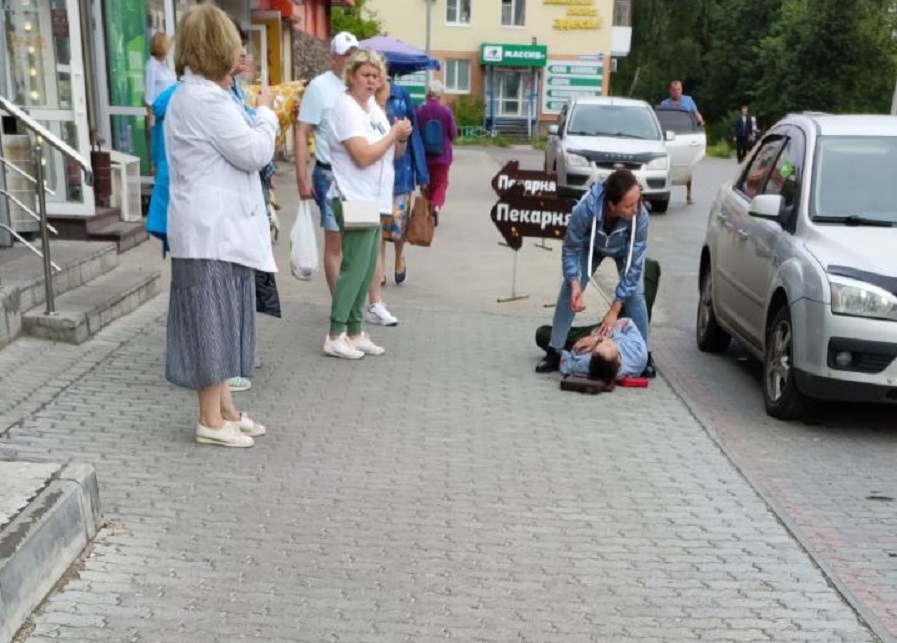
(723, 221)
(695, 143)
(743, 234)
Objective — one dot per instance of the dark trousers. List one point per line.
(742, 147)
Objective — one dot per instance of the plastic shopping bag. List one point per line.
(303, 244)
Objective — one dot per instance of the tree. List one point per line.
(360, 21)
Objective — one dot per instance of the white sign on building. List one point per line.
(566, 79)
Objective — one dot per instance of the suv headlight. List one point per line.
(576, 159)
(658, 164)
(861, 299)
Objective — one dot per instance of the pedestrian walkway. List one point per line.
(442, 491)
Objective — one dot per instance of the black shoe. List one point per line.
(649, 371)
(435, 218)
(550, 363)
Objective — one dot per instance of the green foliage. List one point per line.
(360, 21)
(777, 56)
(720, 150)
(469, 110)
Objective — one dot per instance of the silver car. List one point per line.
(799, 262)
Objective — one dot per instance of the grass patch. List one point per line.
(485, 141)
(721, 150)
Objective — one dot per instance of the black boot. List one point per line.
(649, 371)
(550, 363)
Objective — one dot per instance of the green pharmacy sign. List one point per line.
(513, 55)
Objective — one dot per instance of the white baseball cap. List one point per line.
(342, 43)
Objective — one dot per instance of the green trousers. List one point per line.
(360, 251)
(652, 284)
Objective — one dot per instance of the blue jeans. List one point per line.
(636, 307)
(321, 180)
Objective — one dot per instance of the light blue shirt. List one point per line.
(686, 102)
(317, 103)
(633, 353)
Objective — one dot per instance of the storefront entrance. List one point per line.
(41, 42)
(509, 93)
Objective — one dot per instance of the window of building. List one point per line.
(457, 12)
(457, 76)
(622, 13)
(513, 13)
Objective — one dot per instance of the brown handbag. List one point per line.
(421, 224)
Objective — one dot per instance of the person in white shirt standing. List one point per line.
(362, 149)
(217, 224)
(158, 76)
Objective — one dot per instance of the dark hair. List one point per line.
(618, 184)
(244, 35)
(603, 369)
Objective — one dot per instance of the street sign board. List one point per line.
(416, 84)
(535, 182)
(511, 55)
(518, 215)
(566, 79)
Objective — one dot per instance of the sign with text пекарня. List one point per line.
(535, 182)
(517, 215)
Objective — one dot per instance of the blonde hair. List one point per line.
(159, 45)
(359, 59)
(207, 42)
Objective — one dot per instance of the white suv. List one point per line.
(595, 136)
(799, 262)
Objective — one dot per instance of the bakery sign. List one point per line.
(518, 214)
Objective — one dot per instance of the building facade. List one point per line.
(525, 58)
(78, 67)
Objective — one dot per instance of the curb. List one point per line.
(43, 540)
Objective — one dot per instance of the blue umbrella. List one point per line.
(400, 57)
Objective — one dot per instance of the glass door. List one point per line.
(510, 93)
(46, 77)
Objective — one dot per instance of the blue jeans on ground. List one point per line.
(321, 180)
(636, 307)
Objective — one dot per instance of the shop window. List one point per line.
(513, 13)
(622, 13)
(457, 76)
(457, 12)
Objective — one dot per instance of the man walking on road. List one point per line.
(744, 133)
(314, 116)
(681, 101)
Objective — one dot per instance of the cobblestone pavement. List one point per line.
(442, 491)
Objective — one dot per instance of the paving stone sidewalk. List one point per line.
(442, 491)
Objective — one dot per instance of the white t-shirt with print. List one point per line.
(317, 103)
(349, 120)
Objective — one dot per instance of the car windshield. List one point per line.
(625, 121)
(677, 120)
(854, 180)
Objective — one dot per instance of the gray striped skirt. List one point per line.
(211, 323)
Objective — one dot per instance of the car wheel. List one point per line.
(781, 396)
(711, 337)
(659, 205)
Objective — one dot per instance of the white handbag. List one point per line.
(359, 215)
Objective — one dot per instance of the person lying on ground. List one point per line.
(623, 353)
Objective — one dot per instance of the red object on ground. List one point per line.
(633, 382)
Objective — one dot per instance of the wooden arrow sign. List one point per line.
(535, 182)
(517, 214)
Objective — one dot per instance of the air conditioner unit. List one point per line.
(126, 185)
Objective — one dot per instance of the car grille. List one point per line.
(577, 179)
(618, 165)
(656, 183)
(872, 363)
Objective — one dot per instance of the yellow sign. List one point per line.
(571, 3)
(582, 11)
(570, 24)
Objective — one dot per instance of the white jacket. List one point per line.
(216, 208)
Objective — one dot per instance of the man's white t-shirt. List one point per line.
(349, 120)
(317, 103)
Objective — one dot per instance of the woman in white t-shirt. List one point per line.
(362, 149)
(158, 75)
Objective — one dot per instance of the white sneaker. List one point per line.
(228, 435)
(341, 347)
(365, 345)
(379, 314)
(250, 427)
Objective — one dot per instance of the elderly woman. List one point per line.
(362, 149)
(217, 226)
(157, 77)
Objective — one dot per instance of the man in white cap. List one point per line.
(314, 115)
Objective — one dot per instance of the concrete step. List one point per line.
(82, 312)
(48, 515)
(22, 277)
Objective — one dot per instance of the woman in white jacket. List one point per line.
(217, 224)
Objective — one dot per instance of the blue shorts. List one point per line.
(321, 180)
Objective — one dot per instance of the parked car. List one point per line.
(596, 135)
(799, 262)
(687, 147)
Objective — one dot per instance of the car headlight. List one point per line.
(861, 299)
(658, 164)
(576, 159)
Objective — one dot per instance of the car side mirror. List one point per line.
(553, 130)
(767, 206)
(669, 135)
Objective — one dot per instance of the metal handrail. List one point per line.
(31, 213)
(44, 135)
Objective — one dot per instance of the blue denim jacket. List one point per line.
(633, 352)
(616, 245)
(411, 167)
